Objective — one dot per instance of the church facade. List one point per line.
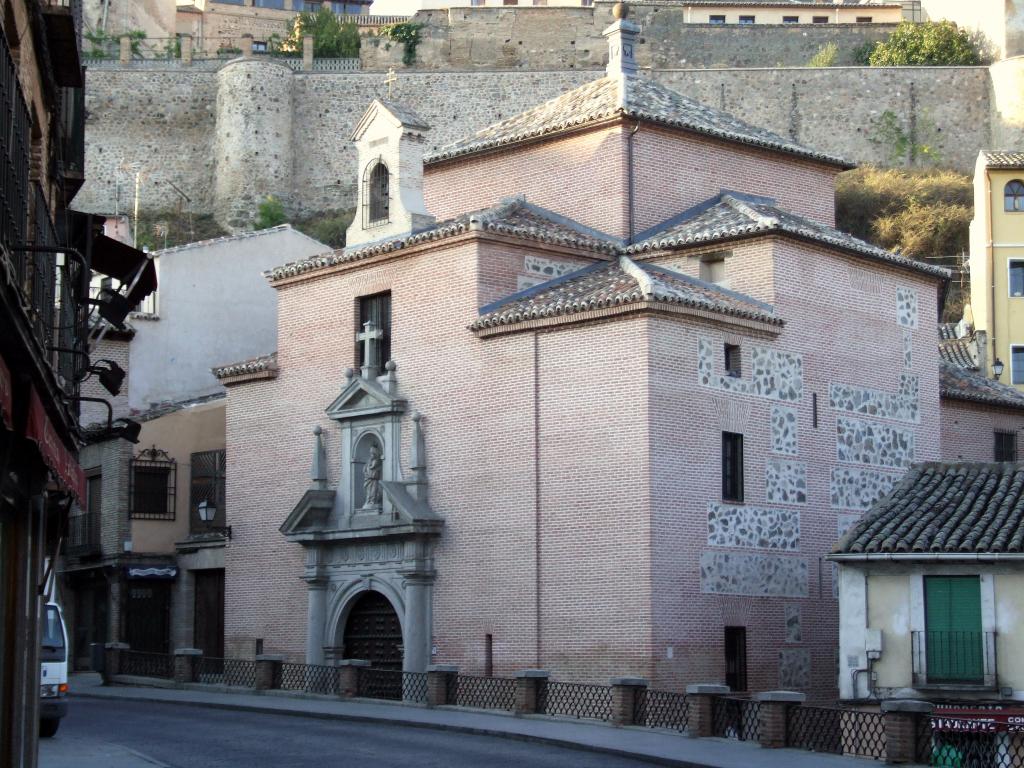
(594, 390)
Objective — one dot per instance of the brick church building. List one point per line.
(593, 390)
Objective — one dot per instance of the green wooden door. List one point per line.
(953, 629)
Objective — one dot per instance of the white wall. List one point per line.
(213, 307)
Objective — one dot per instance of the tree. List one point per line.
(331, 38)
(929, 43)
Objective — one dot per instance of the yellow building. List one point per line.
(997, 261)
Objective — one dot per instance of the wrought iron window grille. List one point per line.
(152, 484)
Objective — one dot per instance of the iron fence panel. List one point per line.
(379, 683)
(969, 743)
(575, 700)
(145, 664)
(311, 678)
(414, 687)
(483, 692)
(237, 672)
(736, 718)
(840, 731)
(661, 709)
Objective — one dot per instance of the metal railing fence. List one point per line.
(736, 718)
(144, 664)
(482, 692)
(661, 709)
(575, 700)
(236, 672)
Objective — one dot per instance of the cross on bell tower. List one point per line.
(370, 336)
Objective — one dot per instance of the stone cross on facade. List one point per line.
(390, 80)
(370, 337)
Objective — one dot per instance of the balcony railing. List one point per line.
(946, 658)
(15, 127)
(84, 535)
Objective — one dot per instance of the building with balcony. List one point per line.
(930, 589)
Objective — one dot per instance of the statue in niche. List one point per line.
(371, 477)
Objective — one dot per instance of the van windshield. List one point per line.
(53, 637)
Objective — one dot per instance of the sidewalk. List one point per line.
(660, 747)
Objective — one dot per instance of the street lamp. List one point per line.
(997, 368)
(207, 513)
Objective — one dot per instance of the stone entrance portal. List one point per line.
(373, 632)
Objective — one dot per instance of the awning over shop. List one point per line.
(6, 397)
(114, 258)
(151, 571)
(55, 455)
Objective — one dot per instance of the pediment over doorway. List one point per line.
(363, 397)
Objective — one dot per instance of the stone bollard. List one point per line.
(186, 664)
(901, 724)
(112, 660)
(246, 44)
(348, 676)
(307, 53)
(268, 671)
(773, 713)
(701, 720)
(186, 50)
(528, 690)
(126, 49)
(626, 692)
(441, 679)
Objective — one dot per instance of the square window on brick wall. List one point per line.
(733, 364)
(1005, 446)
(732, 466)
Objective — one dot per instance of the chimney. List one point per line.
(621, 43)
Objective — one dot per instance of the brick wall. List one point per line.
(92, 413)
(968, 429)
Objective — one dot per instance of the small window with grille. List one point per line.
(378, 309)
(377, 194)
(1006, 446)
(1013, 196)
(733, 356)
(152, 481)
(207, 485)
(732, 466)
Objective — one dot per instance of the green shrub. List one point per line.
(826, 56)
(929, 43)
(331, 38)
(329, 227)
(406, 33)
(270, 213)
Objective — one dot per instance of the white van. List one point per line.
(53, 655)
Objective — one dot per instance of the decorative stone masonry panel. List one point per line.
(794, 668)
(753, 527)
(785, 435)
(732, 573)
(776, 375)
(785, 481)
(794, 633)
(844, 522)
(866, 442)
(908, 348)
(550, 268)
(906, 307)
(855, 488)
(528, 281)
(874, 402)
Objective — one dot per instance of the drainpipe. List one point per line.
(630, 185)
(536, 490)
(990, 255)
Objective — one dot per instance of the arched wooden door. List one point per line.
(373, 632)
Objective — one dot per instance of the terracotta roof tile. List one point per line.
(959, 383)
(631, 97)
(616, 284)
(260, 364)
(1006, 160)
(948, 508)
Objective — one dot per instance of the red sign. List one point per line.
(978, 719)
(6, 397)
(58, 458)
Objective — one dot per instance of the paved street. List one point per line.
(114, 734)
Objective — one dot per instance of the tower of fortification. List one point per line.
(1007, 103)
(252, 147)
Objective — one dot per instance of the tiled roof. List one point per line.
(513, 216)
(945, 508)
(733, 215)
(617, 284)
(409, 118)
(233, 238)
(1006, 160)
(956, 350)
(261, 364)
(959, 383)
(637, 98)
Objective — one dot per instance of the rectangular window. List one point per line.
(736, 658)
(259, 46)
(746, 19)
(863, 19)
(207, 485)
(716, 19)
(587, 3)
(820, 19)
(732, 360)
(510, 2)
(378, 309)
(1005, 446)
(489, 656)
(1016, 268)
(953, 636)
(1017, 365)
(732, 466)
(152, 485)
(94, 494)
(790, 19)
(712, 269)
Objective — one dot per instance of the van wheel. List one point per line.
(48, 727)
